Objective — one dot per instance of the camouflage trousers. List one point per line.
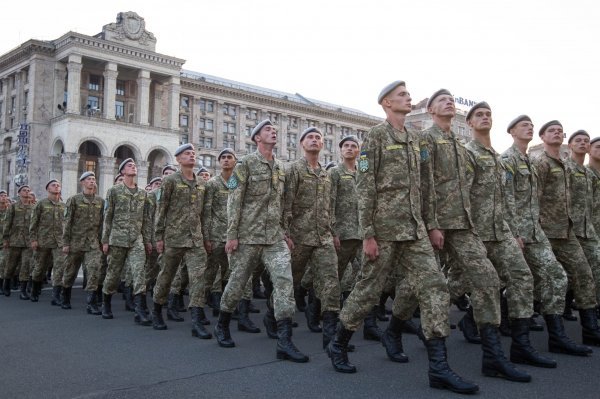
(591, 249)
(415, 262)
(348, 279)
(549, 277)
(570, 254)
(195, 260)
(42, 258)
(181, 280)
(18, 258)
(324, 266)
(92, 262)
(217, 267)
(2, 262)
(276, 258)
(118, 257)
(151, 267)
(349, 252)
(126, 273)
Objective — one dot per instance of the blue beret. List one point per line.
(257, 128)
(183, 148)
(438, 93)
(388, 89)
(548, 124)
(349, 138)
(580, 132)
(481, 104)
(125, 162)
(592, 141)
(85, 175)
(226, 151)
(50, 182)
(22, 187)
(309, 130)
(169, 167)
(154, 180)
(518, 119)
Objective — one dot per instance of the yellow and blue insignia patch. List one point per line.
(232, 183)
(363, 162)
(509, 175)
(424, 154)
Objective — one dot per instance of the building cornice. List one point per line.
(24, 51)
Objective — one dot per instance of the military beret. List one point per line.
(388, 89)
(3, 192)
(548, 124)
(481, 104)
(50, 182)
(203, 169)
(330, 165)
(310, 130)
(85, 175)
(257, 128)
(226, 151)
(22, 187)
(438, 93)
(183, 147)
(349, 138)
(154, 180)
(580, 132)
(117, 177)
(125, 162)
(592, 141)
(168, 167)
(518, 119)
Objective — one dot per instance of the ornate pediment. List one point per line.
(130, 29)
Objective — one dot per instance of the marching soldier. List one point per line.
(4, 206)
(594, 167)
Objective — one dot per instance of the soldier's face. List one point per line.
(24, 193)
(130, 169)
(595, 151)
(89, 183)
(187, 158)
(205, 176)
(522, 131)
(580, 145)
(156, 185)
(3, 198)
(443, 106)
(481, 120)
(54, 188)
(168, 172)
(227, 161)
(267, 135)
(119, 180)
(313, 142)
(148, 188)
(398, 100)
(350, 150)
(553, 135)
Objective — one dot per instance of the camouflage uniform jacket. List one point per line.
(522, 196)
(16, 225)
(486, 179)
(214, 215)
(46, 225)
(443, 181)
(389, 199)
(255, 204)
(83, 223)
(307, 204)
(126, 217)
(582, 198)
(179, 221)
(555, 199)
(152, 210)
(344, 204)
(596, 204)
(3, 213)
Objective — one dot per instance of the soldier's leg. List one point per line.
(12, 262)
(40, 261)
(116, 265)
(346, 254)
(73, 261)
(195, 260)
(58, 270)
(256, 289)
(304, 269)
(93, 261)
(152, 268)
(171, 260)
(591, 249)
(241, 264)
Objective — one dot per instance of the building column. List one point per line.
(110, 89)
(108, 170)
(143, 97)
(74, 84)
(142, 177)
(158, 93)
(69, 180)
(4, 107)
(173, 89)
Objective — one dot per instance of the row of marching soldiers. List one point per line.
(434, 221)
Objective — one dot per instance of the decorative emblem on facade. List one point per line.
(133, 25)
(129, 26)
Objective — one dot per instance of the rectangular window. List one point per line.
(249, 131)
(292, 122)
(229, 142)
(205, 124)
(291, 139)
(328, 144)
(183, 139)
(346, 131)
(93, 103)
(273, 117)
(183, 120)
(208, 142)
(13, 105)
(205, 160)
(230, 109)
(1, 86)
(328, 128)
(119, 109)
(250, 148)
(94, 84)
(228, 127)
(361, 134)
(291, 155)
(311, 123)
(207, 105)
(120, 88)
(252, 114)
(185, 101)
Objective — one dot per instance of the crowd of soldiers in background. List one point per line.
(514, 237)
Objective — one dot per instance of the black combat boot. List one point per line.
(66, 298)
(172, 313)
(494, 364)
(469, 328)
(181, 308)
(128, 294)
(198, 329)
(92, 303)
(1, 286)
(56, 300)
(141, 317)
(313, 312)
(6, 287)
(299, 296)
(244, 322)
(36, 290)
(222, 332)
(559, 342)
(24, 295)
(157, 320)
(380, 311)
(391, 339)
(462, 303)
(371, 331)
(15, 283)
(216, 300)
(270, 323)
(106, 306)
(590, 331)
(534, 325)
(286, 350)
(330, 320)
(568, 312)
(521, 350)
(338, 351)
(252, 308)
(504, 321)
(441, 376)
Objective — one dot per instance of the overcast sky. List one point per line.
(533, 57)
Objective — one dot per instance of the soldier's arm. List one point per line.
(428, 197)
(34, 222)
(237, 192)
(68, 222)
(109, 211)
(335, 179)
(163, 208)
(10, 214)
(510, 168)
(147, 221)
(290, 192)
(365, 185)
(207, 210)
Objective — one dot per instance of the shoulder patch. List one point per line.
(424, 154)
(363, 165)
(509, 175)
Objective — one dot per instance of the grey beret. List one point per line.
(518, 119)
(310, 130)
(50, 182)
(22, 187)
(3, 192)
(125, 162)
(154, 180)
(481, 104)
(203, 169)
(592, 141)
(438, 93)
(85, 175)
(168, 167)
(257, 128)
(183, 147)
(580, 132)
(226, 151)
(330, 165)
(388, 89)
(548, 124)
(349, 138)
(117, 177)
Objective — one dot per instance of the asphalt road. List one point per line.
(47, 352)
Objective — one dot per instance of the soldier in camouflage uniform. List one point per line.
(550, 278)
(395, 240)
(594, 167)
(16, 241)
(81, 237)
(152, 258)
(179, 236)
(557, 222)
(45, 232)
(255, 234)
(4, 206)
(126, 237)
